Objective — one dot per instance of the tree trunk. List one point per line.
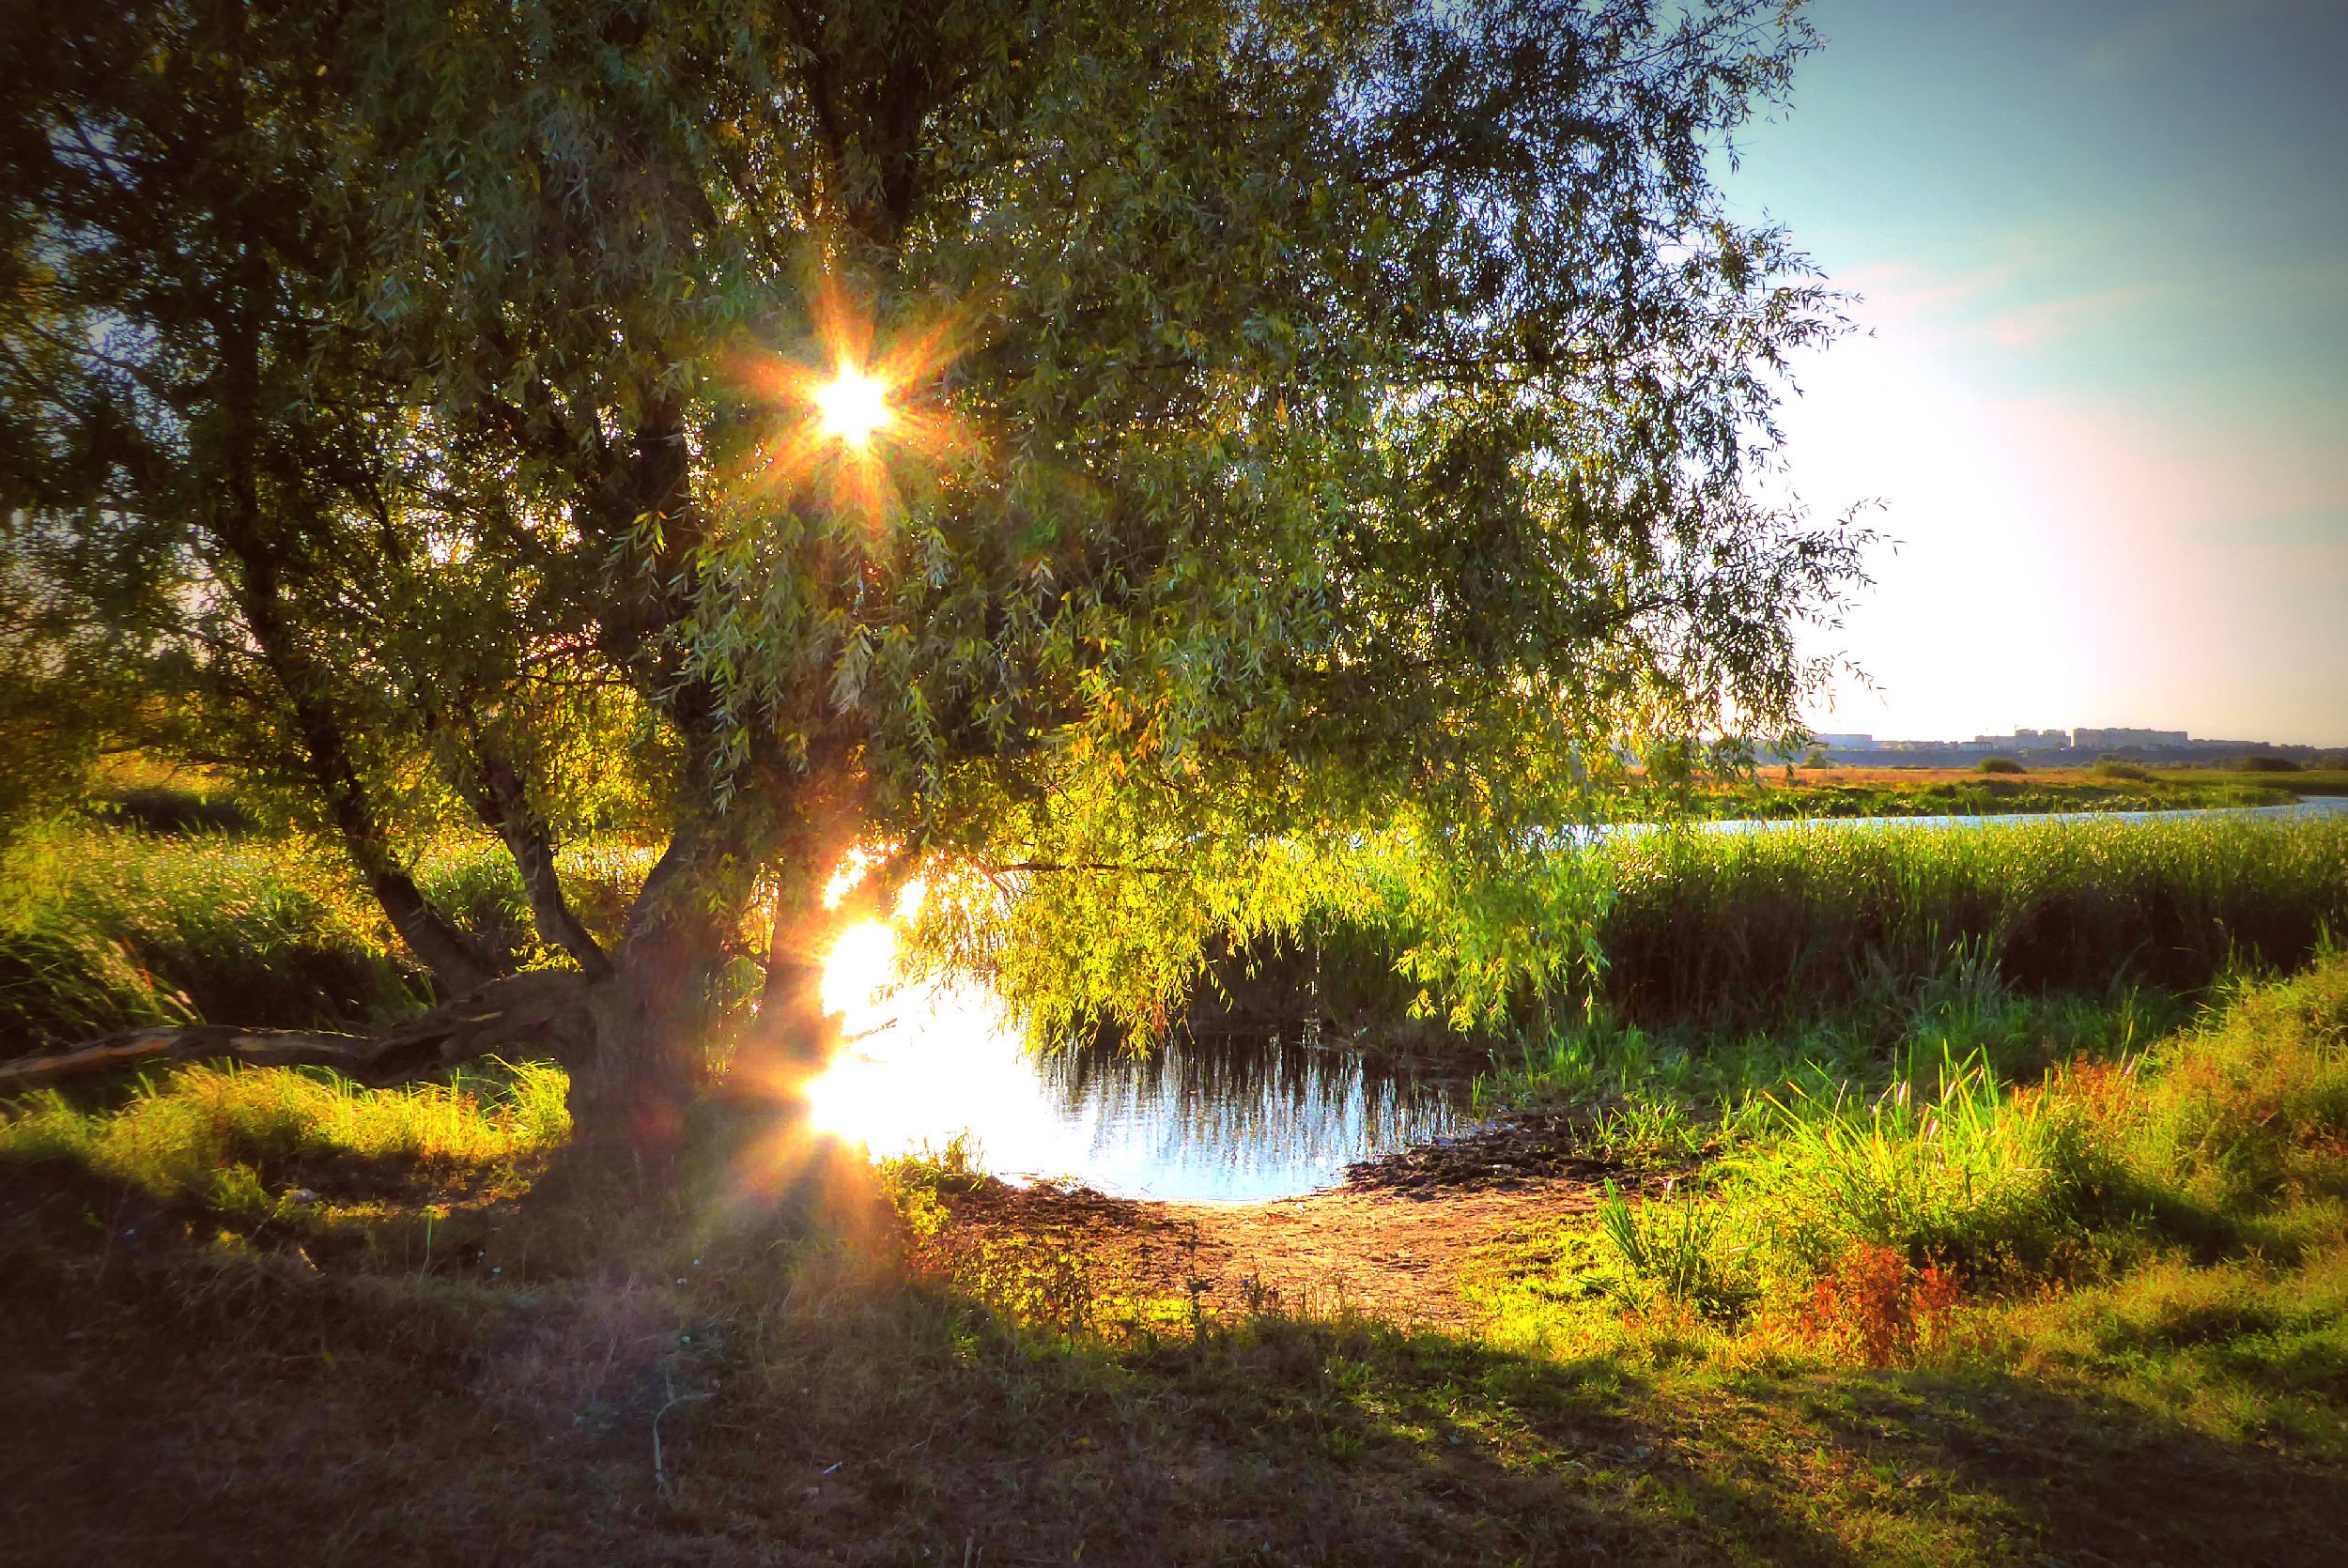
(504, 807)
(542, 1014)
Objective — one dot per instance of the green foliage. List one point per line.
(2001, 765)
(102, 929)
(1655, 926)
(1964, 1175)
(2266, 763)
(1302, 411)
(1860, 1185)
(2109, 766)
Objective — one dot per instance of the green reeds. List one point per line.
(1761, 927)
(104, 929)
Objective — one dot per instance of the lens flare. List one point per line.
(852, 406)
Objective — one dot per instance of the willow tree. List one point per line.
(1079, 437)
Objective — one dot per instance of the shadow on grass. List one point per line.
(785, 1392)
(2087, 1477)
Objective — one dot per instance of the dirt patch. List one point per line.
(1516, 1152)
(1392, 1241)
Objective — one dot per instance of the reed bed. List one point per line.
(1759, 927)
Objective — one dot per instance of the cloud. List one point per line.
(2046, 319)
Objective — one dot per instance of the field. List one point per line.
(1887, 791)
(1935, 1249)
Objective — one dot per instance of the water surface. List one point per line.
(1228, 1119)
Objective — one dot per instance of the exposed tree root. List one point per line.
(546, 1013)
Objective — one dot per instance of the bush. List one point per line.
(2109, 766)
(2265, 763)
(2001, 765)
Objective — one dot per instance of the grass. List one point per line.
(104, 927)
(1768, 928)
(821, 1369)
(2026, 1220)
(234, 1141)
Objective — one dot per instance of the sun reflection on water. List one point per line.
(921, 1063)
(1234, 1120)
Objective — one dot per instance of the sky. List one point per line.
(2100, 381)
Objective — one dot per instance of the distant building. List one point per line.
(2023, 740)
(2112, 740)
(1845, 742)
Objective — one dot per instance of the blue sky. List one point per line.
(2102, 383)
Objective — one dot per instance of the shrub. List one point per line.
(2265, 763)
(2120, 767)
(2001, 765)
(1878, 1308)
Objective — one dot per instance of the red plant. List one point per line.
(1879, 1307)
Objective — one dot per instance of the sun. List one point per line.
(852, 406)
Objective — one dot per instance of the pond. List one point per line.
(1231, 1119)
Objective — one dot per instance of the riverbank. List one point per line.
(918, 1365)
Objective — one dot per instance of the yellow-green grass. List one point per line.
(236, 1140)
(104, 929)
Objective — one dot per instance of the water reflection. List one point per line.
(1229, 1119)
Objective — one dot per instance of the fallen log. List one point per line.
(547, 1013)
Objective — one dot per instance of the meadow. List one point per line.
(1962, 1197)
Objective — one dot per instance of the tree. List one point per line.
(1303, 416)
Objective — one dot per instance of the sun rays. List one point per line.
(863, 420)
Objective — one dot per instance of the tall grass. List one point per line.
(103, 929)
(1763, 927)
(210, 1135)
(1842, 1207)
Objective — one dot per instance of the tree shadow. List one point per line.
(2085, 1473)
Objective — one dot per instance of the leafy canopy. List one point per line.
(1310, 419)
